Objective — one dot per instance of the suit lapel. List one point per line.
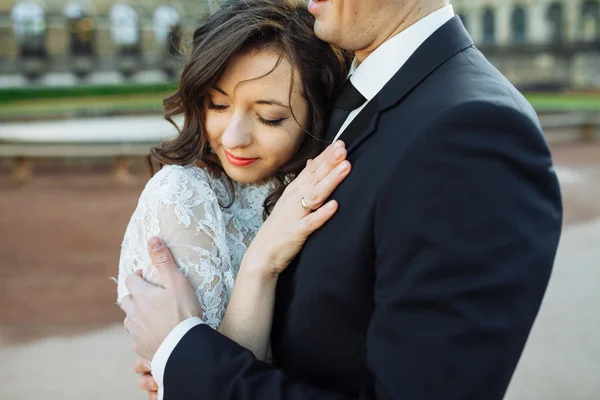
(447, 41)
(361, 126)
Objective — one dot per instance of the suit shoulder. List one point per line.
(482, 112)
(482, 126)
(469, 78)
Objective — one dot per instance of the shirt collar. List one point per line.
(381, 65)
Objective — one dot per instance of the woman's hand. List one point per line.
(249, 315)
(291, 222)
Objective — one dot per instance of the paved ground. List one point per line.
(61, 336)
(562, 358)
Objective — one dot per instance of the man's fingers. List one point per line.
(146, 382)
(161, 257)
(135, 283)
(142, 366)
(126, 304)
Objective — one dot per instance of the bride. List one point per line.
(254, 96)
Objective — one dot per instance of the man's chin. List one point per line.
(329, 35)
(324, 32)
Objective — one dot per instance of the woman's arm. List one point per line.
(179, 206)
(249, 315)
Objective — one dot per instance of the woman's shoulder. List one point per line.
(183, 183)
(175, 173)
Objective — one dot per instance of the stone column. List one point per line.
(8, 43)
(538, 30)
(503, 21)
(475, 14)
(148, 42)
(57, 37)
(573, 20)
(104, 44)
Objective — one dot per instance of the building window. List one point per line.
(29, 26)
(489, 26)
(81, 29)
(590, 15)
(125, 29)
(167, 29)
(556, 15)
(519, 26)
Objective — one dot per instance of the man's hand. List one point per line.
(153, 311)
(145, 381)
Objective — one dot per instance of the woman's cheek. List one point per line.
(287, 147)
(214, 125)
(294, 139)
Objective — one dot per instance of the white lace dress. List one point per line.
(184, 207)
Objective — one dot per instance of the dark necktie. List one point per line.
(347, 99)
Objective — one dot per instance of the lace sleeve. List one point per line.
(179, 206)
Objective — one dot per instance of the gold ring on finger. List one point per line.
(305, 206)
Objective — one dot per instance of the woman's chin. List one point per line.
(245, 176)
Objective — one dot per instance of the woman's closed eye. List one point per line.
(270, 122)
(217, 107)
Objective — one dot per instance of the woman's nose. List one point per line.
(238, 133)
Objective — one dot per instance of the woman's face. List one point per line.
(249, 121)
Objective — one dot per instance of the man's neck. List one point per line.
(411, 16)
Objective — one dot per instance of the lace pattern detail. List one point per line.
(184, 207)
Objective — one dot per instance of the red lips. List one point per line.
(239, 161)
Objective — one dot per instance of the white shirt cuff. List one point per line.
(159, 361)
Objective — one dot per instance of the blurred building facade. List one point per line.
(538, 42)
(533, 42)
(87, 37)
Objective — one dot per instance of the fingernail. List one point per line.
(339, 144)
(155, 244)
(339, 153)
(331, 205)
(344, 167)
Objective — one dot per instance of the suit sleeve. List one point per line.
(464, 252)
(466, 231)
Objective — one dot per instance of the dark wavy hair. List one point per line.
(237, 27)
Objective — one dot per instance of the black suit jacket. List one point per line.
(426, 282)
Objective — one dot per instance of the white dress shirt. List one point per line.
(368, 78)
(381, 65)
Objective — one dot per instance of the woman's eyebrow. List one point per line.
(272, 102)
(218, 89)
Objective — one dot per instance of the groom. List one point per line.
(426, 282)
